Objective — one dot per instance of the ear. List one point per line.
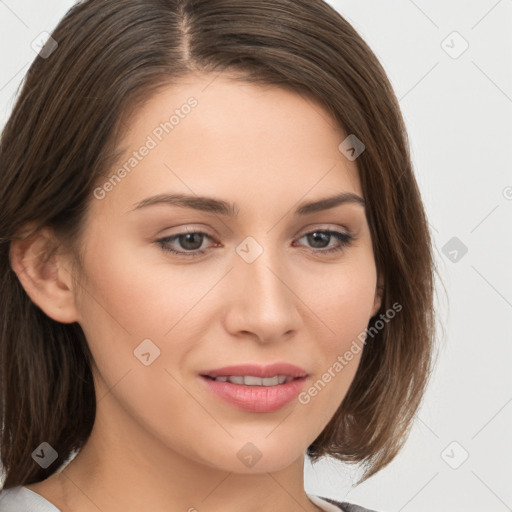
(379, 291)
(43, 273)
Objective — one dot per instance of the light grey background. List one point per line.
(458, 110)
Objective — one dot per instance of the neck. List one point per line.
(127, 468)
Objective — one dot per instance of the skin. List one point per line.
(161, 440)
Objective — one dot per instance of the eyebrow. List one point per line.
(218, 206)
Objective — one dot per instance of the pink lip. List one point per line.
(257, 398)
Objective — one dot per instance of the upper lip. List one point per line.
(289, 370)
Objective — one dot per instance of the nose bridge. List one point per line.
(258, 271)
(261, 276)
(264, 304)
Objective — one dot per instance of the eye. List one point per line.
(321, 238)
(191, 241)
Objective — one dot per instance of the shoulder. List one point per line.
(347, 507)
(22, 499)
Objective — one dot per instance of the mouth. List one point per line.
(251, 380)
(256, 388)
(274, 370)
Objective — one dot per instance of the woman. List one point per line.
(196, 376)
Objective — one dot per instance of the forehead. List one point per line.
(212, 135)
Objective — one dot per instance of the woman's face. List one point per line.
(257, 281)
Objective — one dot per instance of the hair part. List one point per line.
(63, 135)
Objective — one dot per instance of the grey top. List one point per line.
(22, 499)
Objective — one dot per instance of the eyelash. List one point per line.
(344, 238)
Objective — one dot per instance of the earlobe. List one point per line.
(43, 273)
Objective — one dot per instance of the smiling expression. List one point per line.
(274, 264)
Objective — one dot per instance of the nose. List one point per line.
(262, 299)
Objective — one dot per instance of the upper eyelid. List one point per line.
(309, 229)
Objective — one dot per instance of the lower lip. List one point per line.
(256, 398)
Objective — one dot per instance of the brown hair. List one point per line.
(63, 133)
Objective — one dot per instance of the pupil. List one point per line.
(189, 237)
(321, 237)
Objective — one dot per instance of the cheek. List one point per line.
(129, 299)
(134, 292)
(344, 300)
(344, 306)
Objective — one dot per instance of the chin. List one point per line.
(256, 456)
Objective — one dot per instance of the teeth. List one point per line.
(249, 380)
